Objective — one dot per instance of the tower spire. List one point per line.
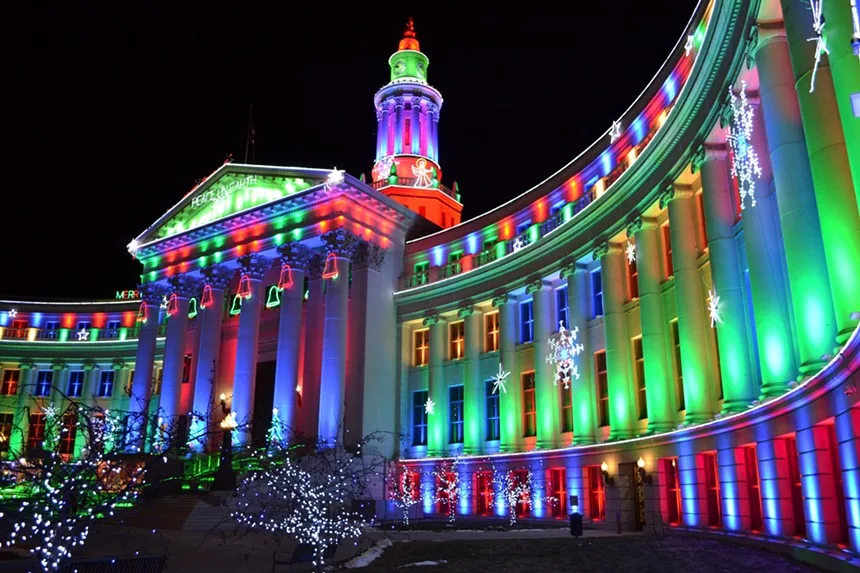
(409, 42)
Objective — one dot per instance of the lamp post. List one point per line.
(225, 477)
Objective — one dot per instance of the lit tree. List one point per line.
(447, 484)
(516, 489)
(402, 491)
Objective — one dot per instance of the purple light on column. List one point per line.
(438, 256)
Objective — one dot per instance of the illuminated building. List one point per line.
(705, 250)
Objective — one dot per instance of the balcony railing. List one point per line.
(410, 182)
(43, 334)
(17, 333)
(451, 269)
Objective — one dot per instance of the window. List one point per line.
(17, 330)
(793, 462)
(602, 388)
(557, 490)
(113, 325)
(493, 417)
(596, 494)
(491, 328)
(673, 490)
(5, 431)
(523, 227)
(444, 219)
(129, 384)
(76, 383)
(561, 307)
(186, 369)
(527, 322)
(421, 347)
(529, 414)
(10, 382)
(52, 329)
(556, 208)
(753, 488)
(36, 432)
(106, 384)
(679, 375)
(457, 338)
(407, 133)
(712, 489)
(667, 250)
(44, 378)
(633, 278)
(485, 494)
(422, 210)
(156, 382)
(596, 293)
(566, 409)
(83, 325)
(718, 373)
(455, 414)
(68, 432)
(419, 418)
(520, 478)
(420, 272)
(639, 373)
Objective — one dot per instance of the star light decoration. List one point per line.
(745, 166)
(429, 406)
(820, 41)
(519, 243)
(631, 252)
(500, 379)
(13, 313)
(688, 47)
(334, 179)
(714, 307)
(563, 352)
(615, 131)
(83, 334)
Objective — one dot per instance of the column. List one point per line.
(734, 493)
(818, 484)
(739, 385)
(776, 505)
(698, 393)
(437, 420)
(546, 388)
(210, 315)
(510, 401)
(582, 388)
(694, 500)
(253, 266)
(380, 137)
(768, 286)
(20, 422)
(659, 377)
(801, 231)
(183, 287)
(845, 71)
(848, 439)
(342, 244)
(474, 406)
(828, 158)
(434, 133)
(622, 401)
(288, 359)
(141, 385)
(312, 348)
(415, 126)
(387, 143)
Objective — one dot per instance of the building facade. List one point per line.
(664, 328)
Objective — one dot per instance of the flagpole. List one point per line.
(248, 138)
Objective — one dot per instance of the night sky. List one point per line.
(111, 116)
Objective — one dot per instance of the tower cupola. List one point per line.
(407, 143)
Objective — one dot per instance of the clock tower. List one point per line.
(407, 144)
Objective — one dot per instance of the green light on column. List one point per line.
(567, 212)
(123, 333)
(152, 275)
(219, 242)
(94, 334)
(279, 239)
(203, 261)
(64, 334)
(297, 234)
(534, 233)
(217, 256)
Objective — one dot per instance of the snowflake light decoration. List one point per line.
(83, 334)
(500, 379)
(615, 131)
(745, 166)
(334, 179)
(714, 307)
(631, 252)
(165, 302)
(820, 41)
(13, 313)
(519, 243)
(429, 406)
(688, 47)
(563, 352)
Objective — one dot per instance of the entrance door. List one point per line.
(631, 497)
(264, 398)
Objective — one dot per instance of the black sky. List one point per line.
(111, 115)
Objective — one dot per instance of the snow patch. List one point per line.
(424, 564)
(373, 553)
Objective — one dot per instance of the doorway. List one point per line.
(264, 398)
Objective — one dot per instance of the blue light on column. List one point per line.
(670, 89)
(606, 161)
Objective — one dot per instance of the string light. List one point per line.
(402, 492)
(563, 352)
(447, 482)
(745, 166)
(820, 42)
